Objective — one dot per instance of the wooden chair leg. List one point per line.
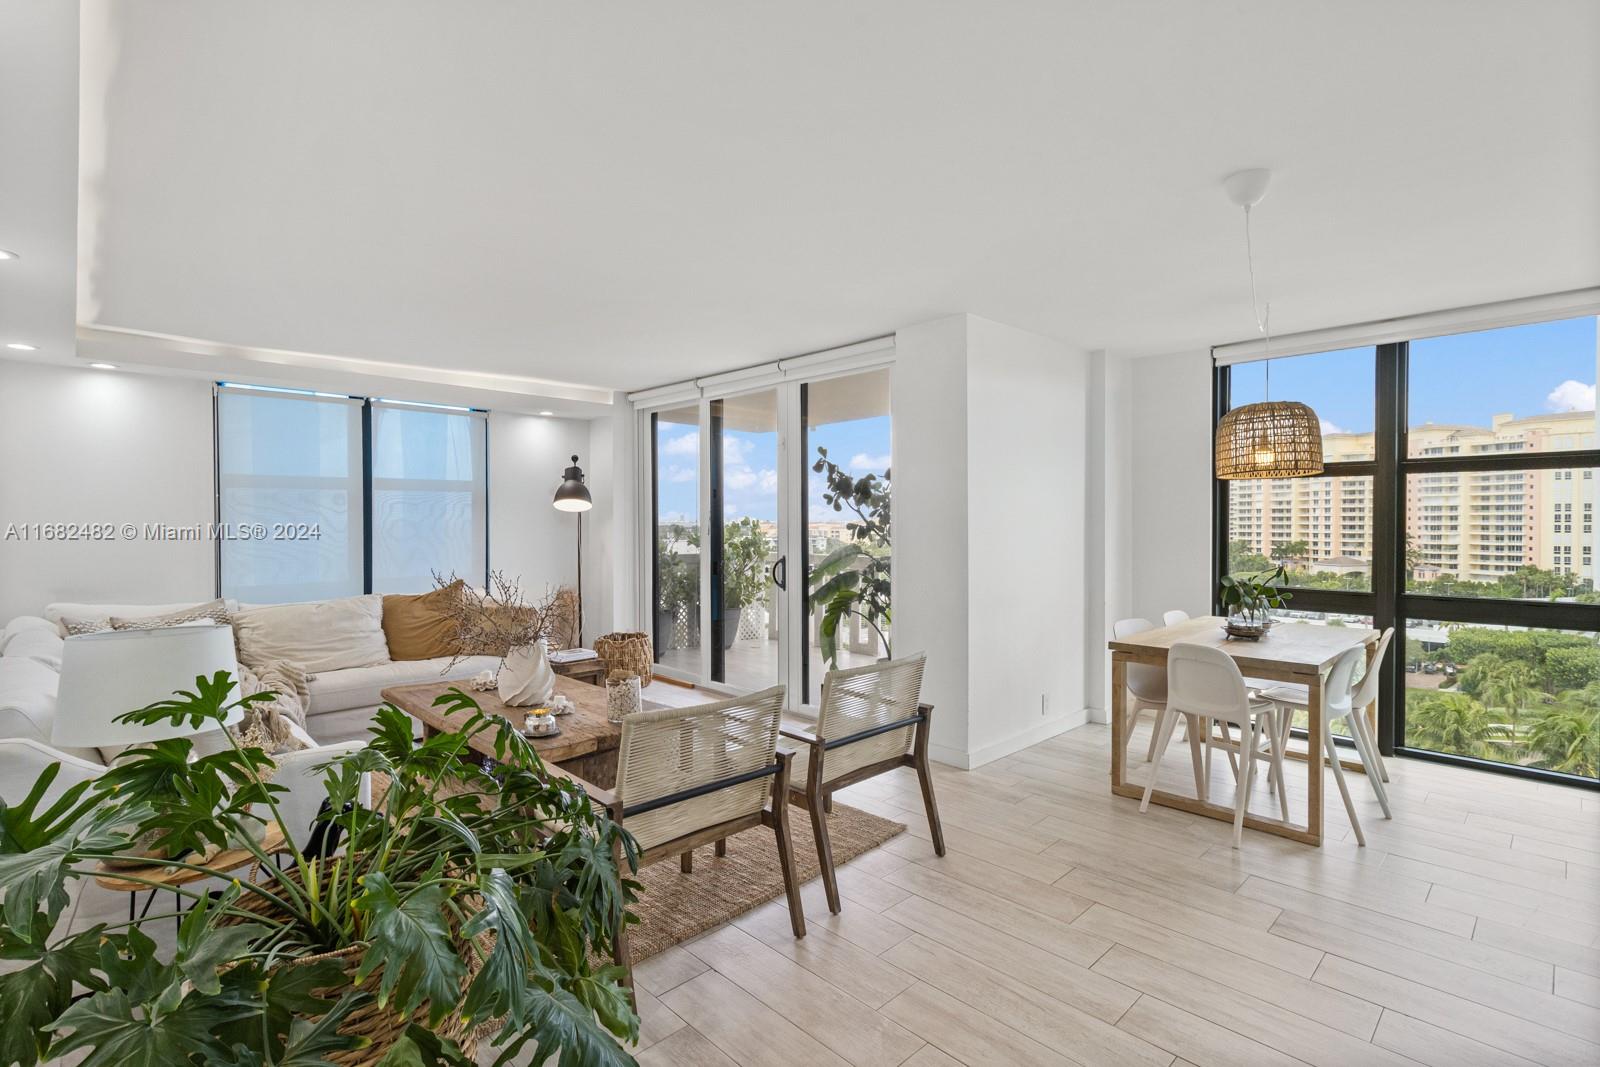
(686, 862)
(621, 950)
(722, 847)
(827, 804)
(930, 805)
(819, 829)
(791, 881)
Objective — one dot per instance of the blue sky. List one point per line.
(1462, 378)
(750, 465)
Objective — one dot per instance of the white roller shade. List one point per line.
(430, 495)
(1413, 327)
(847, 359)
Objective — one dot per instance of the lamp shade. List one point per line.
(572, 494)
(109, 674)
(1274, 439)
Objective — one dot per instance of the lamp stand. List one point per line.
(580, 579)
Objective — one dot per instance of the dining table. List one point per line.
(1298, 653)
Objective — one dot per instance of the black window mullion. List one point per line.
(1388, 522)
(714, 529)
(366, 496)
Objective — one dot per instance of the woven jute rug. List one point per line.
(674, 906)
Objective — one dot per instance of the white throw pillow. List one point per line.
(320, 635)
(23, 624)
(62, 610)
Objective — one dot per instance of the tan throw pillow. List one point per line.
(319, 635)
(423, 626)
(214, 611)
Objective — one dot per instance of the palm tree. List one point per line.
(1567, 736)
(1502, 683)
(1450, 722)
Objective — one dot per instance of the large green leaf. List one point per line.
(31, 997)
(500, 987)
(121, 1032)
(23, 827)
(410, 941)
(560, 1024)
(308, 1041)
(418, 1047)
(204, 946)
(36, 880)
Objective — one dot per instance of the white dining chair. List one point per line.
(1204, 684)
(1345, 699)
(1147, 689)
(1174, 617)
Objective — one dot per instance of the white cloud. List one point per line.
(862, 461)
(769, 481)
(1329, 427)
(1571, 396)
(740, 477)
(734, 450)
(683, 445)
(681, 474)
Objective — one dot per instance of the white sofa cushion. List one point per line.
(23, 624)
(68, 610)
(359, 687)
(28, 704)
(41, 645)
(319, 635)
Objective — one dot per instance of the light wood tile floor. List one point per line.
(1064, 927)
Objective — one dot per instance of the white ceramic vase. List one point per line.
(525, 676)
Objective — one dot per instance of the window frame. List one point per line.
(1388, 603)
(366, 405)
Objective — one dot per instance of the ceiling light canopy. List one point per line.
(6, 253)
(1275, 438)
(103, 366)
(20, 347)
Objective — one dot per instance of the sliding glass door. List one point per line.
(746, 609)
(769, 514)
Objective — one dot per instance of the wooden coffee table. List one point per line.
(586, 747)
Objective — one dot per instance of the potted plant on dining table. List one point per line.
(1249, 599)
(463, 901)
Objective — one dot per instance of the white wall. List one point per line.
(532, 542)
(610, 595)
(1108, 492)
(1027, 425)
(87, 446)
(1171, 464)
(929, 406)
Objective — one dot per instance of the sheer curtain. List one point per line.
(430, 495)
(289, 468)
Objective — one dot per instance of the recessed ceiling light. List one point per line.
(6, 253)
(103, 366)
(20, 347)
(547, 413)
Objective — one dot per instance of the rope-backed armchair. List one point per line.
(871, 721)
(693, 776)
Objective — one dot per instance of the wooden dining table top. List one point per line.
(1296, 648)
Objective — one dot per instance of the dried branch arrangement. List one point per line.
(493, 621)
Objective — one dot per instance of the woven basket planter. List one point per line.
(626, 653)
(381, 1026)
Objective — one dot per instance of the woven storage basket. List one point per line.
(626, 652)
(382, 1026)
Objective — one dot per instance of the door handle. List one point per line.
(780, 572)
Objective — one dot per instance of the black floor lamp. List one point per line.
(573, 495)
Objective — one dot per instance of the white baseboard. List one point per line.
(1100, 715)
(1005, 746)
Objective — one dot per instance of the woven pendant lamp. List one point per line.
(1275, 438)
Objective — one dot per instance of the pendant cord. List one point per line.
(1263, 322)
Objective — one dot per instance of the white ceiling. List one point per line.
(627, 194)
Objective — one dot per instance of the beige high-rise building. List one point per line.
(1473, 525)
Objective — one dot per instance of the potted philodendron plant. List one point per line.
(464, 899)
(744, 573)
(853, 579)
(1248, 600)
